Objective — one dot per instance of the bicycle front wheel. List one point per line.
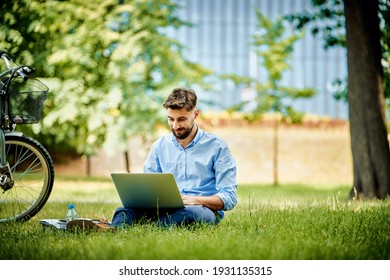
(33, 173)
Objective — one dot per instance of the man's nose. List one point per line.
(175, 125)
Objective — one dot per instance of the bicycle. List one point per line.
(26, 167)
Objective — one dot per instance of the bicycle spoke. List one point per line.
(21, 158)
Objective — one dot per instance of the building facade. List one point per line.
(220, 39)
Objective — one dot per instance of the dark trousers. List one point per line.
(165, 217)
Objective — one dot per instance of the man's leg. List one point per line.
(126, 216)
(189, 215)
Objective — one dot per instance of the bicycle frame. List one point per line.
(5, 78)
(3, 161)
(6, 179)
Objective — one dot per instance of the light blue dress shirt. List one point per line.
(205, 167)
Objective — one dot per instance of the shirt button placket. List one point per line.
(185, 167)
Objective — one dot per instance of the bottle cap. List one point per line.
(70, 206)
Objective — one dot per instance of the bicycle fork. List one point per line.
(6, 180)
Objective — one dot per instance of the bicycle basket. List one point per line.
(26, 100)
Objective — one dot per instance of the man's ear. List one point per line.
(196, 113)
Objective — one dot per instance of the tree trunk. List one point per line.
(127, 161)
(276, 149)
(88, 164)
(369, 143)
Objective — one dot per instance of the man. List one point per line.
(201, 163)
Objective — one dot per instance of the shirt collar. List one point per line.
(198, 136)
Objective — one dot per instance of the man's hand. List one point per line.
(190, 200)
(213, 202)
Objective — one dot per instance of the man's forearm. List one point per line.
(213, 202)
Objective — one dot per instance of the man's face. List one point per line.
(181, 121)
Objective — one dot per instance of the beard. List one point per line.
(183, 133)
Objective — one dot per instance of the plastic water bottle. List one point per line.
(71, 215)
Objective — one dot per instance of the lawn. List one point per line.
(287, 222)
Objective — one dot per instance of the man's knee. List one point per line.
(122, 216)
(198, 214)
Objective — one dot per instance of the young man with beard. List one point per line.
(201, 163)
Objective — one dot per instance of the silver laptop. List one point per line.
(147, 190)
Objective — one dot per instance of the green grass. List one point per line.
(272, 223)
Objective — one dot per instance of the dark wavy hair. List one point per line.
(181, 98)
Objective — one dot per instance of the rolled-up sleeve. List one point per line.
(225, 175)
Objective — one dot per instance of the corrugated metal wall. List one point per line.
(221, 38)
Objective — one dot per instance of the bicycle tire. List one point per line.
(33, 172)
